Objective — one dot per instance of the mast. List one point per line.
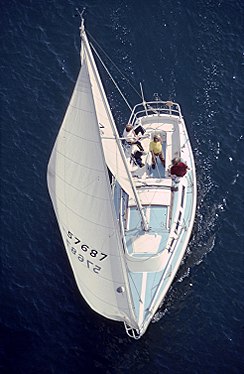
(86, 45)
(143, 99)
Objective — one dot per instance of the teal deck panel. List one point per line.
(135, 286)
(153, 281)
(158, 218)
(134, 228)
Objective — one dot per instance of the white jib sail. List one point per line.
(80, 191)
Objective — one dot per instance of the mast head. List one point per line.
(82, 27)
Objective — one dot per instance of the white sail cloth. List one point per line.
(79, 186)
(108, 130)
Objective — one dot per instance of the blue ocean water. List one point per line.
(190, 52)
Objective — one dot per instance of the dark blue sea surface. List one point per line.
(188, 51)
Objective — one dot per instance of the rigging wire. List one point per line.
(120, 72)
(94, 40)
(116, 67)
(116, 85)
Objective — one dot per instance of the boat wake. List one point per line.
(201, 244)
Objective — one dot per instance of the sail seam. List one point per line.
(76, 188)
(81, 109)
(78, 163)
(83, 218)
(80, 137)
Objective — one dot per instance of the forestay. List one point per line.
(79, 186)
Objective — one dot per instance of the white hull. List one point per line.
(124, 244)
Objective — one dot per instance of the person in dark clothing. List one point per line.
(178, 168)
(137, 158)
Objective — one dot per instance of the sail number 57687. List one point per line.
(75, 245)
(85, 248)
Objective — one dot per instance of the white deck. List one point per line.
(153, 197)
(153, 258)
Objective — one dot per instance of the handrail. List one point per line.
(131, 332)
(154, 108)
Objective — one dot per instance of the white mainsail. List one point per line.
(79, 187)
(112, 149)
(108, 130)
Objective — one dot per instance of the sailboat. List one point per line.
(125, 235)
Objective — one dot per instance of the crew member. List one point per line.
(178, 168)
(156, 149)
(131, 135)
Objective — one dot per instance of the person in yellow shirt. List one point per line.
(156, 149)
